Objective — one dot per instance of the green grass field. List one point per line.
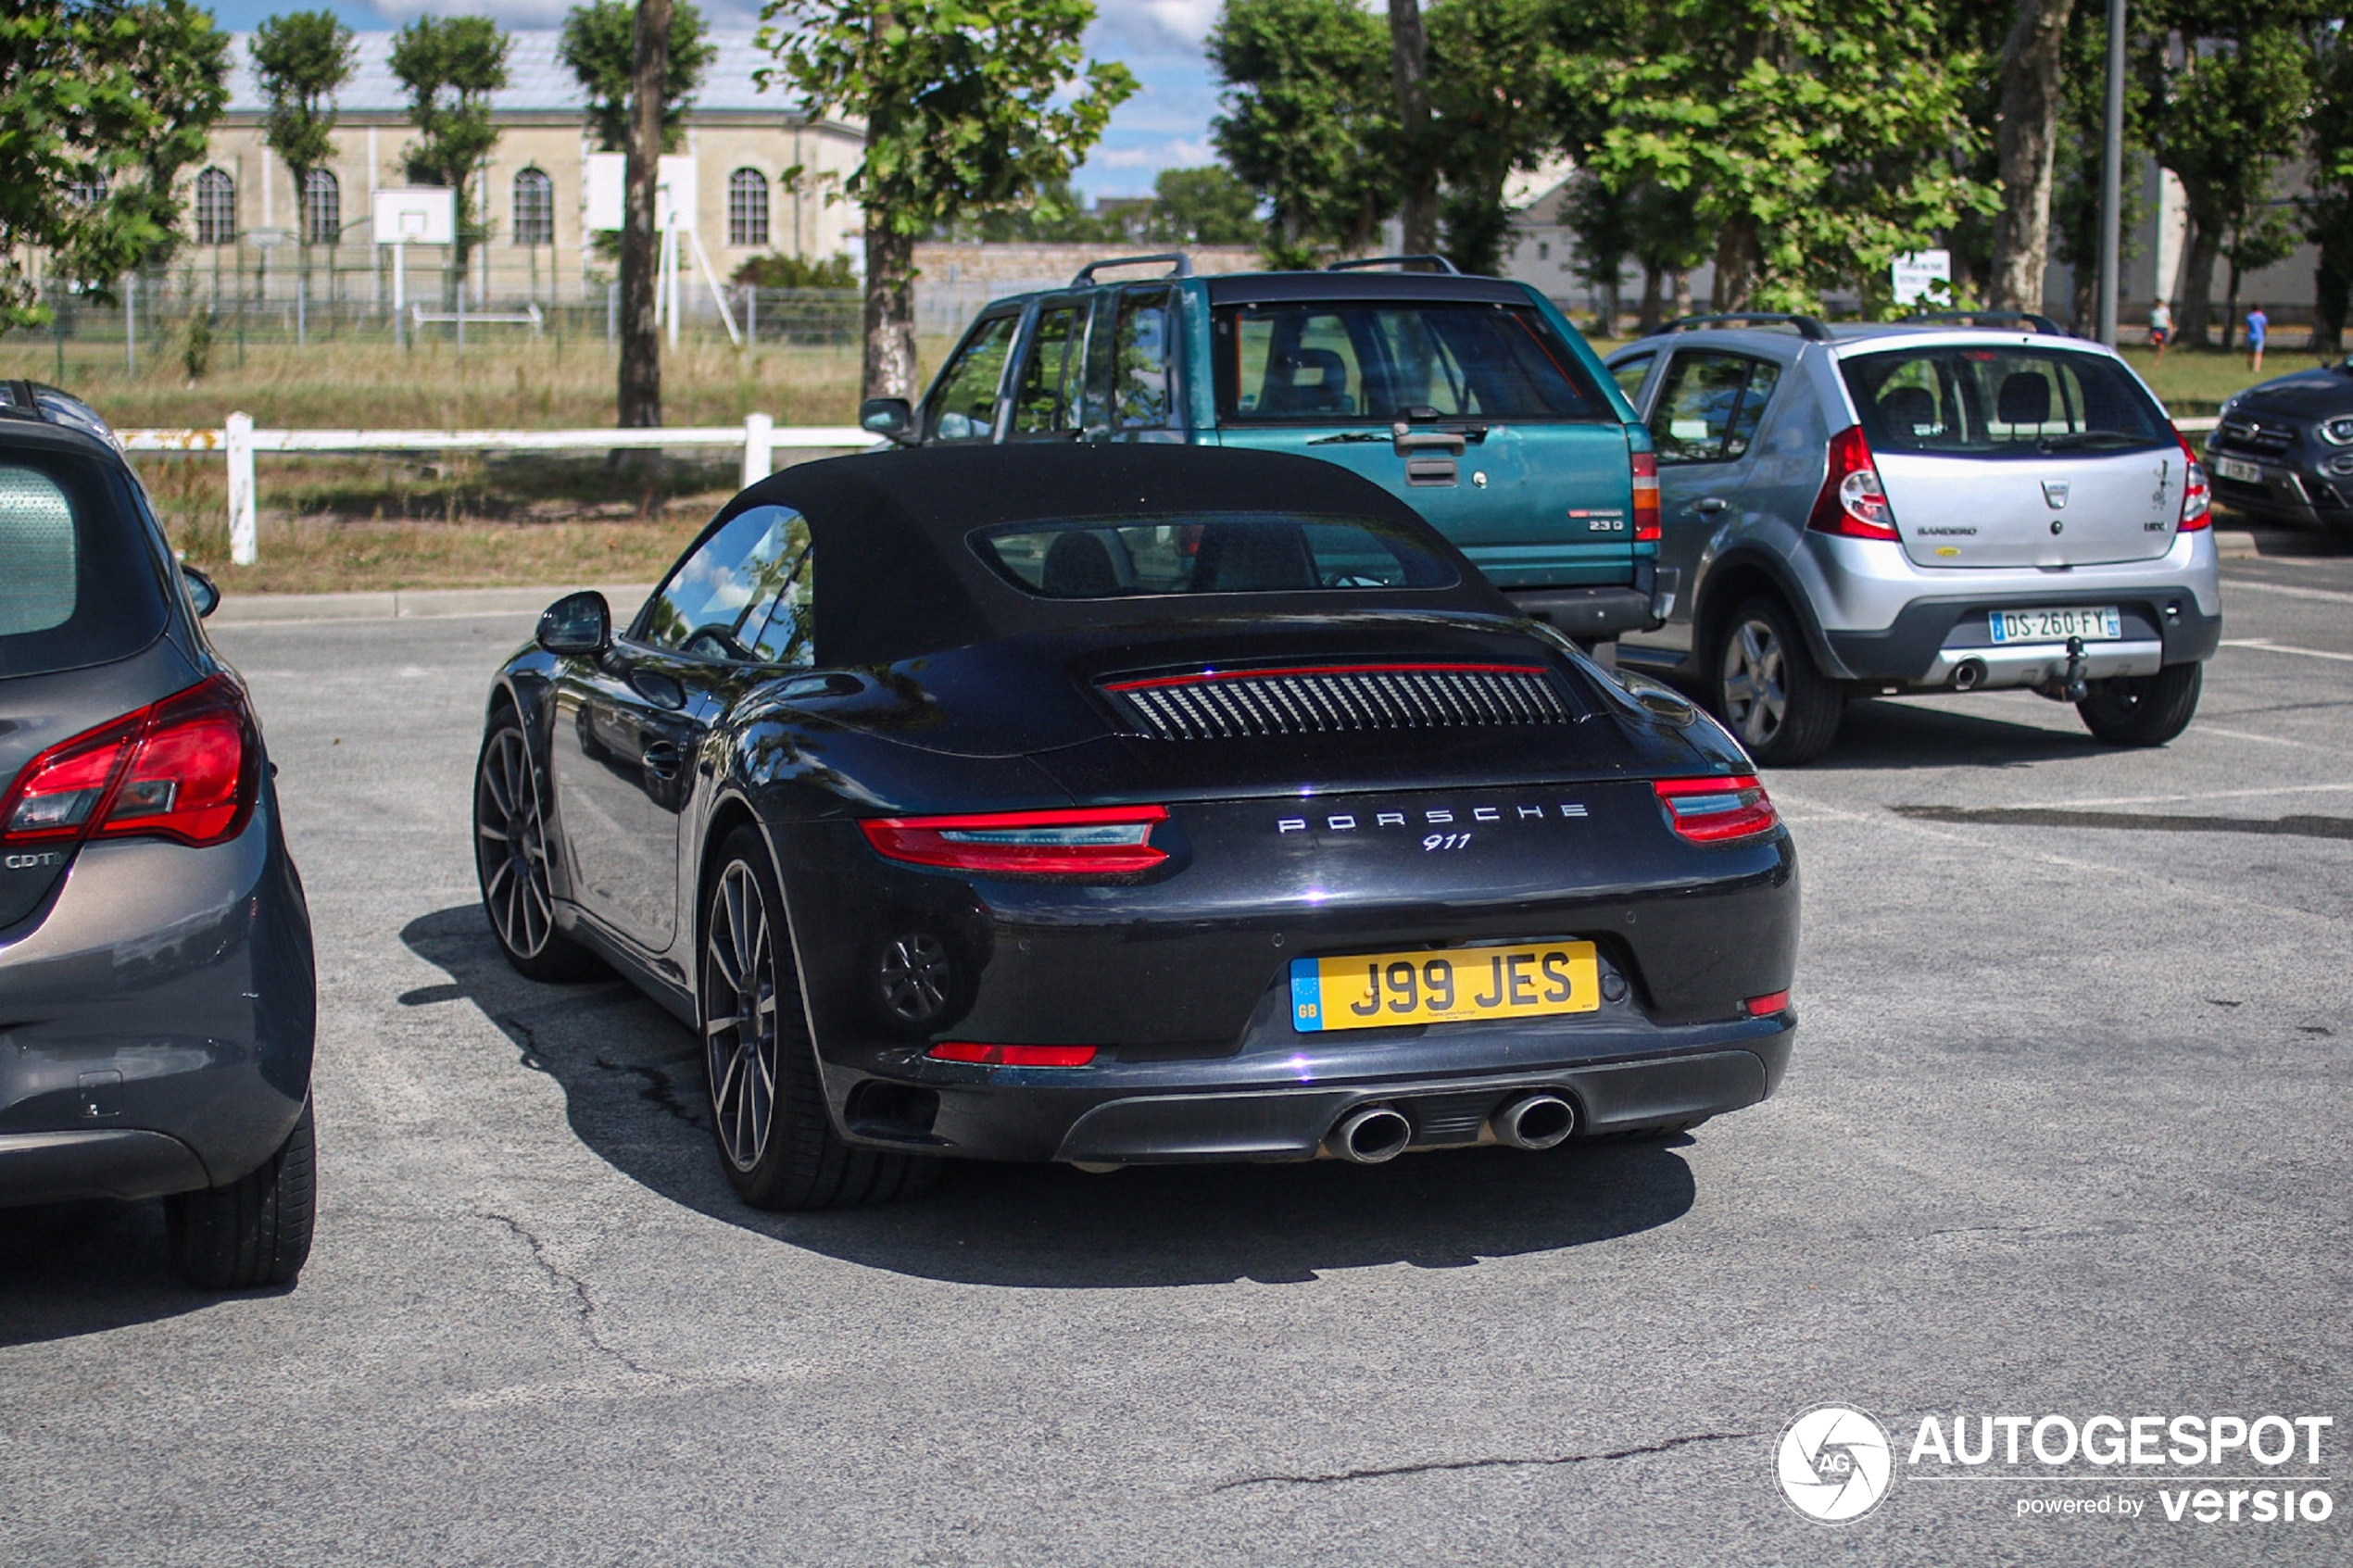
(381, 523)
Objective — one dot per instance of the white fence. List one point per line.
(237, 440)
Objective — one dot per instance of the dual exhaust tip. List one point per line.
(1374, 1134)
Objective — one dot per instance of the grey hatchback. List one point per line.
(156, 993)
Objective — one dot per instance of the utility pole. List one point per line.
(2112, 176)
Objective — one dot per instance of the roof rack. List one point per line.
(2043, 324)
(1182, 265)
(1807, 327)
(1437, 263)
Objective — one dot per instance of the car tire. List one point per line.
(2144, 710)
(776, 1141)
(510, 859)
(255, 1231)
(1767, 690)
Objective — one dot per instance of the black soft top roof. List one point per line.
(896, 576)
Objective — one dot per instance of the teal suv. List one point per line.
(1473, 399)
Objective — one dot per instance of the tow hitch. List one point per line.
(2068, 685)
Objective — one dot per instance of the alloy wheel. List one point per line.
(510, 845)
(739, 1017)
(1756, 693)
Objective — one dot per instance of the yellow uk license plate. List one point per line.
(1371, 990)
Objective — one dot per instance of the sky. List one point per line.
(1165, 125)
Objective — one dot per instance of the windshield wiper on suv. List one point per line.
(2087, 438)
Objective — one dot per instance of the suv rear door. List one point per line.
(2018, 453)
(1541, 494)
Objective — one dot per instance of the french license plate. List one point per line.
(1371, 990)
(2246, 473)
(2100, 624)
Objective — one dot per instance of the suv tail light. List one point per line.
(1079, 841)
(187, 768)
(2197, 498)
(1852, 502)
(1718, 811)
(1645, 496)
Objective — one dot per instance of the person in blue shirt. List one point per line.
(2257, 325)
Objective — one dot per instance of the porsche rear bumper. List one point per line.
(1266, 1103)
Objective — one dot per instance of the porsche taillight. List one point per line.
(2197, 498)
(1853, 501)
(1075, 841)
(1646, 513)
(187, 768)
(1718, 811)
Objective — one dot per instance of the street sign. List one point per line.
(608, 185)
(1921, 275)
(416, 215)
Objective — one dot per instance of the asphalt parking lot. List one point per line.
(2067, 1132)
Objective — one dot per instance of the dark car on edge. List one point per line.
(2283, 450)
(156, 1000)
(1129, 804)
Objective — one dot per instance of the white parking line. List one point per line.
(2265, 644)
(2235, 584)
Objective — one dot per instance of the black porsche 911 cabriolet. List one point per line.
(1125, 804)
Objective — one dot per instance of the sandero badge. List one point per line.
(1117, 805)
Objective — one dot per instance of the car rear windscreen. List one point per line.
(1320, 362)
(1210, 553)
(78, 585)
(2001, 402)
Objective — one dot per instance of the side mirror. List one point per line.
(893, 419)
(577, 625)
(203, 592)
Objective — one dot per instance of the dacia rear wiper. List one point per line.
(2086, 438)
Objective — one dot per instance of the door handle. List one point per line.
(1706, 505)
(663, 759)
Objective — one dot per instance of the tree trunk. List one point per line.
(1736, 261)
(2331, 289)
(1682, 296)
(891, 310)
(640, 337)
(2027, 135)
(1409, 63)
(2083, 302)
(2231, 309)
(1651, 304)
(2201, 247)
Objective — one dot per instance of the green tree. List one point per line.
(969, 106)
(599, 47)
(450, 66)
(301, 59)
(1496, 71)
(1308, 118)
(1818, 139)
(2225, 110)
(113, 93)
(2327, 212)
(1204, 206)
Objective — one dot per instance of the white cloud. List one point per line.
(1161, 22)
(1175, 152)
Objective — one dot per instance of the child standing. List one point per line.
(2257, 325)
(2161, 328)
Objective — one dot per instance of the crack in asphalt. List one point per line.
(2052, 817)
(583, 1305)
(1374, 1473)
(659, 1090)
(531, 1056)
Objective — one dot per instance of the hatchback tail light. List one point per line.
(1645, 496)
(1853, 501)
(1079, 841)
(2197, 498)
(187, 768)
(1719, 811)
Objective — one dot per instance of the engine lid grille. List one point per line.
(1334, 698)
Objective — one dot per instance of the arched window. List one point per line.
(321, 207)
(90, 190)
(216, 208)
(534, 223)
(748, 208)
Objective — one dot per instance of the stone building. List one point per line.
(767, 180)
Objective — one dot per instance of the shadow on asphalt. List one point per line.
(71, 1268)
(634, 1094)
(1891, 735)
